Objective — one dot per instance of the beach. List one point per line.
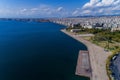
(98, 57)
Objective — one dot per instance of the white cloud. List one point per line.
(60, 12)
(34, 9)
(43, 10)
(116, 7)
(100, 10)
(91, 3)
(76, 12)
(23, 10)
(59, 9)
(86, 12)
(93, 7)
(106, 3)
(96, 7)
(5, 12)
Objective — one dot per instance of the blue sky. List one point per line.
(58, 8)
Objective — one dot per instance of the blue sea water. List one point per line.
(37, 51)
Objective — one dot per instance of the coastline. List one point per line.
(97, 55)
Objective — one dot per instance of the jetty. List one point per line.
(83, 67)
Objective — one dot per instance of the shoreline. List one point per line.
(97, 56)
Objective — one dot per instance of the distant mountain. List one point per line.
(87, 16)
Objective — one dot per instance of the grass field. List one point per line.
(110, 46)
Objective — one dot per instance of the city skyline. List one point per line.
(57, 8)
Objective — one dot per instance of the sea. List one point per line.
(37, 51)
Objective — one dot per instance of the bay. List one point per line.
(37, 51)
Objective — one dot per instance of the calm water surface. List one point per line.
(37, 51)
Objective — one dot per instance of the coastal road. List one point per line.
(98, 57)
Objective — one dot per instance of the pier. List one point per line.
(83, 67)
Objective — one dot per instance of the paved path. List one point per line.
(98, 58)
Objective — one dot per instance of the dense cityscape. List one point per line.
(112, 22)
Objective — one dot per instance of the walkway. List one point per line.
(98, 58)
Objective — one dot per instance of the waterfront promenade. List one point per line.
(97, 56)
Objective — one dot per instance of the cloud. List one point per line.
(8, 12)
(76, 12)
(23, 10)
(43, 10)
(87, 12)
(34, 9)
(91, 3)
(93, 7)
(98, 7)
(59, 9)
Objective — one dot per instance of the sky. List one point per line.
(57, 8)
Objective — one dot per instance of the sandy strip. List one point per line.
(98, 58)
